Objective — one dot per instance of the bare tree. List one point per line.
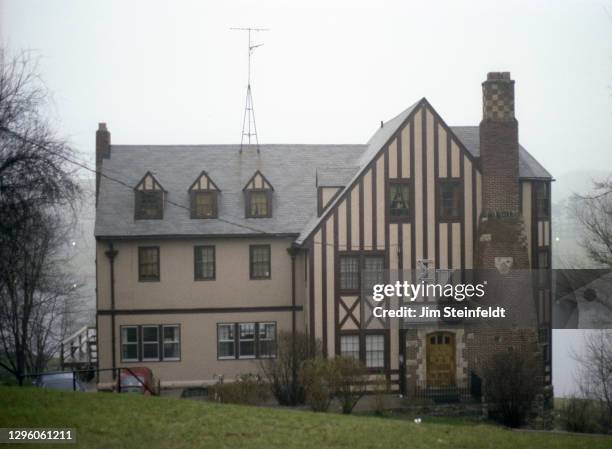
(595, 370)
(594, 213)
(37, 187)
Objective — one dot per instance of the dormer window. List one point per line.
(258, 197)
(149, 199)
(203, 193)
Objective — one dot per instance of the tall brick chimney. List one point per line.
(103, 151)
(499, 146)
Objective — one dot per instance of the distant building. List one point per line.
(205, 253)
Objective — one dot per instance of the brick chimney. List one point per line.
(499, 146)
(501, 230)
(103, 151)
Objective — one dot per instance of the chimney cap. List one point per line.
(498, 76)
(102, 126)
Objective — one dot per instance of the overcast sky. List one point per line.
(172, 72)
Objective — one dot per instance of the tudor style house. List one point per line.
(206, 252)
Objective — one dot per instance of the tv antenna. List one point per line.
(249, 127)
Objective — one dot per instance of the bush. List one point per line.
(584, 415)
(512, 382)
(247, 389)
(350, 378)
(380, 391)
(318, 377)
(282, 372)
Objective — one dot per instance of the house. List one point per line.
(206, 252)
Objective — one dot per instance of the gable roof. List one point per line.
(469, 136)
(295, 171)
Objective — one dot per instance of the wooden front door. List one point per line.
(440, 359)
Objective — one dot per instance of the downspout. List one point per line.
(111, 253)
(293, 254)
(294, 369)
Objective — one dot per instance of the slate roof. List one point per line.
(293, 170)
(529, 168)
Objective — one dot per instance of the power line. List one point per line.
(84, 166)
(113, 179)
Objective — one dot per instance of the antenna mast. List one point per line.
(249, 127)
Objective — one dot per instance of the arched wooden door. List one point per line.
(440, 359)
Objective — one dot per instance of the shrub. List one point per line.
(282, 372)
(247, 389)
(577, 415)
(318, 377)
(512, 382)
(349, 381)
(380, 391)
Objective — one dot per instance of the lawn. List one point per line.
(106, 420)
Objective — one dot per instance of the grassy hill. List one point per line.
(105, 420)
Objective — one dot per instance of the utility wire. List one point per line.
(84, 166)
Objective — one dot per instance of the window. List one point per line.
(349, 272)
(349, 346)
(246, 340)
(373, 272)
(225, 339)
(149, 205)
(203, 204)
(204, 263)
(148, 263)
(541, 198)
(450, 200)
(259, 204)
(260, 261)
(171, 342)
(150, 343)
(375, 351)
(129, 343)
(267, 340)
(399, 201)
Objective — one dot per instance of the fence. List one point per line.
(445, 393)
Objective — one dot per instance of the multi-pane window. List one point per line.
(204, 204)
(259, 261)
(150, 343)
(450, 200)
(375, 351)
(246, 340)
(225, 341)
(373, 271)
(349, 272)
(129, 343)
(171, 342)
(541, 199)
(149, 205)
(204, 263)
(266, 339)
(399, 200)
(258, 204)
(148, 263)
(349, 346)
